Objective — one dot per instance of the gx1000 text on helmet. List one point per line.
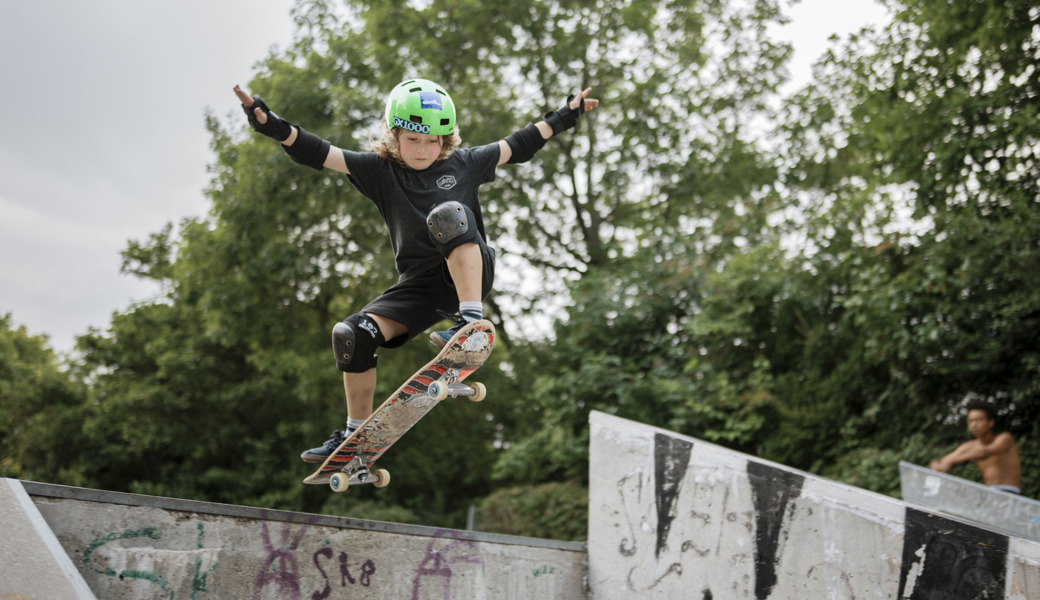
(422, 106)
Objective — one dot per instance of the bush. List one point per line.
(557, 510)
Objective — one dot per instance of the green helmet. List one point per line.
(422, 106)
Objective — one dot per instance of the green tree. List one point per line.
(40, 410)
(935, 113)
(892, 288)
(669, 180)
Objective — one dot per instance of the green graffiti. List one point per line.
(146, 532)
(147, 576)
(199, 580)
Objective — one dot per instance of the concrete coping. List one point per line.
(50, 490)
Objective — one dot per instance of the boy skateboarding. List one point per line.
(425, 188)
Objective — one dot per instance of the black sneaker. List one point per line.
(322, 452)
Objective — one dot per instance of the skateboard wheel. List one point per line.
(384, 478)
(479, 391)
(339, 482)
(438, 391)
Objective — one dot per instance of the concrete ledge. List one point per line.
(129, 546)
(49, 490)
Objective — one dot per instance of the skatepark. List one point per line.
(670, 516)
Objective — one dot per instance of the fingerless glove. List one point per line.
(276, 127)
(566, 117)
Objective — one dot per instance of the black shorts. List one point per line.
(414, 301)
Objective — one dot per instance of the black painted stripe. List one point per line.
(772, 491)
(671, 459)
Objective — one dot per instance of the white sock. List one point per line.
(471, 311)
(354, 423)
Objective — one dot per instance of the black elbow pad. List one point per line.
(525, 143)
(308, 149)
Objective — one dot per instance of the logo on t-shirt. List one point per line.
(447, 182)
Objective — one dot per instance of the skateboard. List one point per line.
(351, 463)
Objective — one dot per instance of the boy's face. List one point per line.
(979, 423)
(419, 150)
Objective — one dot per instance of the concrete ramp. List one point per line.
(128, 546)
(33, 564)
(1014, 514)
(675, 517)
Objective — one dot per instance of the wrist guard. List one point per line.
(524, 143)
(276, 127)
(308, 149)
(566, 117)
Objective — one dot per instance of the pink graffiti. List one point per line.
(439, 561)
(280, 569)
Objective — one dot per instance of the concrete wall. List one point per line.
(674, 517)
(937, 491)
(135, 547)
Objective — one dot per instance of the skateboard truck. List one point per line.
(354, 473)
(449, 385)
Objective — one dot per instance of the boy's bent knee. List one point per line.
(451, 225)
(354, 343)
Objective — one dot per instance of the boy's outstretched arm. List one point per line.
(974, 450)
(958, 456)
(521, 145)
(311, 150)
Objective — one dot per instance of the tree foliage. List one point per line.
(935, 112)
(896, 285)
(39, 409)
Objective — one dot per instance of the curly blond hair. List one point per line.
(389, 147)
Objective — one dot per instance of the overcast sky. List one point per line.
(103, 140)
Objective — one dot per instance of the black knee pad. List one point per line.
(451, 224)
(354, 343)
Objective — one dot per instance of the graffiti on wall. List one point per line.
(949, 559)
(362, 575)
(773, 492)
(280, 570)
(671, 461)
(284, 563)
(690, 522)
(683, 521)
(115, 564)
(279, 573)
(445, 553)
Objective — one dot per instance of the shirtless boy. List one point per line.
(995, 454)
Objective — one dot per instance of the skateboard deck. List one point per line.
(352, 461)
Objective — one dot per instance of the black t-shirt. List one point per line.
(405, 197)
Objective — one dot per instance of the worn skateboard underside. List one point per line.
(463, 355)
